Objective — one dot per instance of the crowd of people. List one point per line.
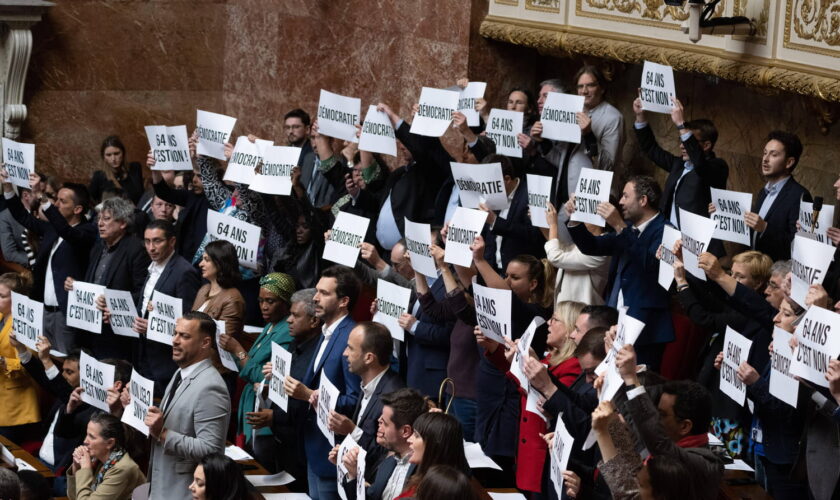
(411, 405)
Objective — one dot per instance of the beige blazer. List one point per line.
(228, 306)
(118, 483)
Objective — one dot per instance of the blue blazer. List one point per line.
(646, 300)
(428, 349)
(519, 236)
(334, 365)
(781, 220)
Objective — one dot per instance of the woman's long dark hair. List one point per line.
(223, 255)
(223, 478)
(668, 478)
(444, 481)
(443, 441)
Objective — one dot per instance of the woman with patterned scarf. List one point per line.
(102, 468)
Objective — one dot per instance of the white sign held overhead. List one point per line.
(338, 116)
(539, 194)
(492, 312)
(281, 365)
(435, 112)
(818, 344)
(378, 134)
(808, 264)
(815, 230)
(95, 378)
(243, 161)
(123, 312)
(170, 147)
(327, 398)
(466, 101)
(696, 233)
(346, 238)
(593, 188)
(559, 117)
(213, 132)
(275, 175)
(27, 320)
(166, 311)
(19, 160)
(657, 89)
(480, 183)
(667, 257)
(244, 236)
(81, 307)
(730, 207)
(502, 128)
(391, 302)
(465, 225)
(736, 349)
(142, 391)
(783, 386)
(418, 242)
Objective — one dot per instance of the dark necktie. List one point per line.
(173, 391)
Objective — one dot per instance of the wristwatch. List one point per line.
(681, 126)
(241, 355)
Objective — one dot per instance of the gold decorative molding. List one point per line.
(817, 21)
(552, 6)
(822, 83)
(515, 3)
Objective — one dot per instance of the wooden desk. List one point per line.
(24, 455)
(253, 468)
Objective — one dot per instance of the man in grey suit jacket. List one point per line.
(11, 238)
(194, 412)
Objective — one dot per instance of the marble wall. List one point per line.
(111, 67)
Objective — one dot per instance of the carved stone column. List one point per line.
(16, 19)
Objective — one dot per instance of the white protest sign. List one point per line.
(696, 233)
(809, 262)
(378, 133)
(95, 379)
(480, 183)
(539, 192)
(225, 356)
(19, 160)
(338, 116)
(657, 88)
(345, 240)
(243, 161)
(361, 460)
(391, 303)
(561, 450)
(817, 345)
(243, 235)
(275, 175)
(502, 128)
(783, 386)
(593, 187)
(465, 225)
(213, 132)
(517, 367)
(27, 320)
(142, 391)
(123, 312)
(81, 307)
(736, 349)
(627, 333)
(667, 257)
(166, 311)
(492, 311)
(821, 225)
(281, 365)
(170, 147)
(418, 240)
(730, 207)
(466, 101)
(559, 117)
(327, 398)
(435, 112)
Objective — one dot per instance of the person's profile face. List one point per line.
(188, 342)
(386, 430)
(629, 203)
(197, 487)
(326, 299)
(544, 90)
(415, 442)
(785, 318)
(70, 372)
(581, 327)
(109, 227)
(774, 292)
(353, 352)
(5, 300)
(774, 160)
(97, 446)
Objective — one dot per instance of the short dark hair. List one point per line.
(791, 142)
(81, 195)
(601, 316)
(407, 404)
(645, 185)
(223, 255)
(74, 355)
(112, 141)
(34, 486)
(298, 113)
(223, 478)
(706, 129)
(9, 485)
(167, 227)
(122, 369)
(376, 339)
(347, 284)
(507, 165)
(445, 481)
(692, 402)
(206, 325)
(592, 343)
(667, 478)
(111, 428)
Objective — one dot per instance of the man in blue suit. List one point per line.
(634, 269)
(335, 296)
(173, 275)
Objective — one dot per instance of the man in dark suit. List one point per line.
(509, 232)
(388, 479)
(192, 218)
(311, 183)
(66, 240)
(368, 355)
(172, 275)
(119, 262)
(691, 174)
(634, 268)
(776, 207)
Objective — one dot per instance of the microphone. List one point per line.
(818, 203)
